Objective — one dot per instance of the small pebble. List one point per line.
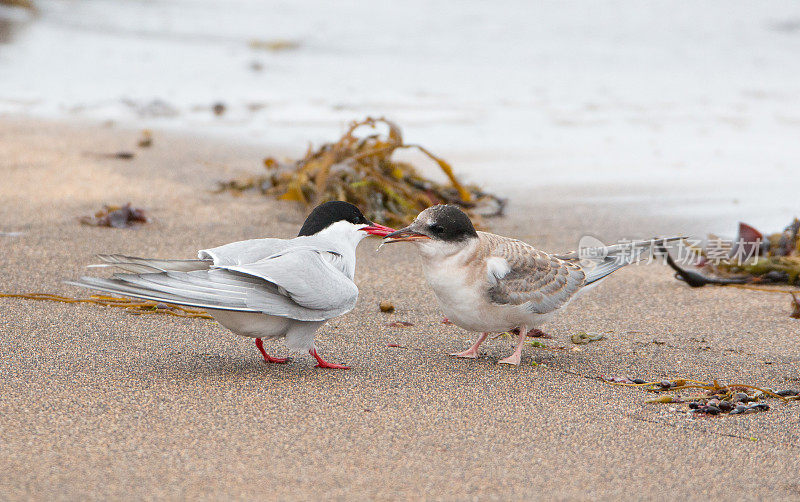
(583, 337)
(725, 406)
(694, 405)
(665, 384)
(787, 393)
(640, 381)
(740, 397)
(386, 306)
(712, 410)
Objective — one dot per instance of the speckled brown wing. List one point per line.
(534, 277)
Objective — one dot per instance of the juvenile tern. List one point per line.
(488, 283)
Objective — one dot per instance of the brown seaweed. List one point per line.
(25, 4)
(275, 45)
(400, 324)
(750, 259)
(146, 139)
(131, 306)
(361, 170)
(777, 259)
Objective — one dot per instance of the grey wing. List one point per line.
(521, 275)
(201, 289)
(308, 277)
(249, 251)
(299, 284)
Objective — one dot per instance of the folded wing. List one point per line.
(300, 283)
(522, 275)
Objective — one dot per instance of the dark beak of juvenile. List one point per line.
(377, 229)
(404, 235)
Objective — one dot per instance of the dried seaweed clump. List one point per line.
(752, 258)
(116, 217)
(360, 170)
(774, 257)
(25, 4)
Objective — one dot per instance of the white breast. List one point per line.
(462, 299)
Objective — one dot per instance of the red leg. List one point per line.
(268, 358)
(321, 363)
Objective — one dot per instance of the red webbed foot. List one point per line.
(321, 363)
(268, 358)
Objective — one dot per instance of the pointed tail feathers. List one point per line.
(168, 281)
(605, 260)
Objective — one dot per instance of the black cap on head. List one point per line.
(447, 223)
(329, 213)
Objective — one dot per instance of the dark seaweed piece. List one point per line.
(696, 279)
(121, 155)
(535, 333)
(219, 109)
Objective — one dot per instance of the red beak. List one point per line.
(379, 230)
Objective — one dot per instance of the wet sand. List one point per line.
(99, 404)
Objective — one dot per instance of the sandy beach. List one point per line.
(97, 404)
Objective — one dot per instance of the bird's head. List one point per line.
(441, 229)
(342, 219)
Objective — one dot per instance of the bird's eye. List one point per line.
(437, 229)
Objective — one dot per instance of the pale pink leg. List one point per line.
(517, 355)
(472, 352)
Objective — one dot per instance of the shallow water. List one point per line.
(620, 93)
